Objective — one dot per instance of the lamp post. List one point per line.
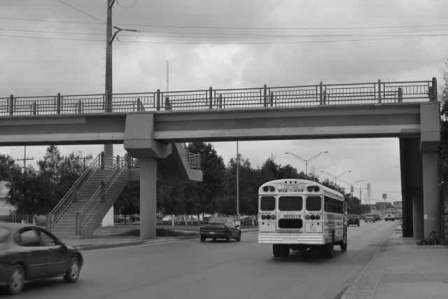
(335, 177)
(306, 160)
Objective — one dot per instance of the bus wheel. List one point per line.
(329, 249)
(276, 250)
(280, 250)
(344, 243)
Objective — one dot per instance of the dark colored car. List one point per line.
(221, 228)
(369, 218)
(353, 220)
(29, 252)
(389, 217)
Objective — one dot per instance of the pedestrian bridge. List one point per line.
(148, 122)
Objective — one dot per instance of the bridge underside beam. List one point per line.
(317, 122)
(43, 130)
(345, 121)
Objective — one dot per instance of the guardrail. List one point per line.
(220, 99)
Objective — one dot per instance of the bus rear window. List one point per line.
(267, 203)
(313, 203)
(290, 203)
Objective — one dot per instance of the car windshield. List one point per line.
(4, 234)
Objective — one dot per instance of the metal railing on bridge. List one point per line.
(220, 99)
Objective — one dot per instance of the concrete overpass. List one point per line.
(148, 122)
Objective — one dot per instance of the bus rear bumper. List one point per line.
(282, 238)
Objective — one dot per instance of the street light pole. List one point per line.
(306, 160)
(360, 189)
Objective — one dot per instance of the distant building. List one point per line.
(397, 205)
(383, 205)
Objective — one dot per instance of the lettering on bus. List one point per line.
(293, 188)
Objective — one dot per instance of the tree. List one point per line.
(129, 200)
(37, 192)
(211, 188)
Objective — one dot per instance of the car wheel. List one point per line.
(214, 239)
(238, 238)
(73, 271)
(16, 282)
(228, 238)
(202, 238)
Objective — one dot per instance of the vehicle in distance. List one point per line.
(220, 228)
(353, 220)
(369, 218)
(389, 217)
(28, 252)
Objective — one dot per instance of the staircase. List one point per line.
(85, 204)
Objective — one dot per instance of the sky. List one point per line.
(51, 46)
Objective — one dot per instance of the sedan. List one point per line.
(223, 228)
(29, 252)
(353, 220)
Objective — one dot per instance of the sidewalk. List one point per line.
(401, 269)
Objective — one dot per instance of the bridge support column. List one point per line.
(431, 195)
(430, 140)
(108, 155)
(411, 187)
(139, 142)
(148, 198)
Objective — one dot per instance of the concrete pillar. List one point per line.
(108, 155)
(148, 198)
(411, 187)
(417, 217)
(431, 198)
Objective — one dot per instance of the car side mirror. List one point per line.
(63, 247)
(237, 226)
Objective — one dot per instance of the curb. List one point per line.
(88, 247)
(353, 290)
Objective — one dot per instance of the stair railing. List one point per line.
(66, 201)
(90, 219)
(118, 165)
(191, 159)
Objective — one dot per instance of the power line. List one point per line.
(80, 10)
(188, 27)
(225, 39)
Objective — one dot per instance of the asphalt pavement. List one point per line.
(184, 269)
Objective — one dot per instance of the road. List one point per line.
(191, 269)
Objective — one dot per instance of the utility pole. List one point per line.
(237, 181)
(24, 159)
(108, 148)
